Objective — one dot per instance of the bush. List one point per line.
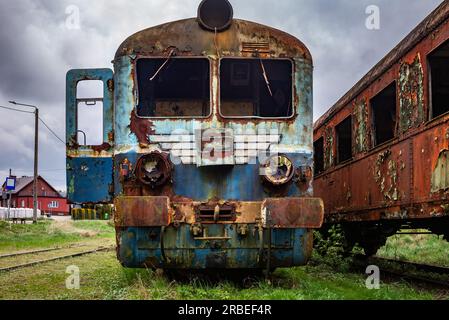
(330, 248)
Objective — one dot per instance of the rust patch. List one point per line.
(110, 85)
(142, 212)
(386, 176)
(142, 128)
(411, 95)
(293, 213)
(104, 147)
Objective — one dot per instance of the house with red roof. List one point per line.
(50, 201)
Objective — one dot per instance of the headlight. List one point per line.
(154, 169)
(278, 170)
(215, 15)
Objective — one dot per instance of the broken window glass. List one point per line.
(173, 87)
(383, 107)
(439, 72)
(344, 140)
(256, 88)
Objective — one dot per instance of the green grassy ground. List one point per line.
(46, 234)
(102, 277)
(417, 248)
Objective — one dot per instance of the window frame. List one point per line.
(137, 89)
(316, 173)
(372, 120)
(338, 161)
(294, 107)
(430, 109)
(53, 204)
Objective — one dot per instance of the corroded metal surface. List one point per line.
(190, 39)
(440, 175)
(402, 180)
(273, 213)
(411, 95)
(142, 211)
(293, 213)
(426, 27)
(209, 212)
(361, 133)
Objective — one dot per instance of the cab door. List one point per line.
(89, 167)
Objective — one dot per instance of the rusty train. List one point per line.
(382, 151)
(208, 149)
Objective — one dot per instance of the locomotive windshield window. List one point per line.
(318, 148)
(439, 71)
(256, 88)
(176, 87)
(384, 114)
(344, 140)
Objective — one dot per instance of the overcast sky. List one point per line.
(38, 45)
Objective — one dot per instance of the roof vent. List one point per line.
(215, 15)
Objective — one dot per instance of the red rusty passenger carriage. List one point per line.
(207, 153)
(381, 153)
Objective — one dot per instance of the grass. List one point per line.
(103, 278)
(47, 234)
(425, 248)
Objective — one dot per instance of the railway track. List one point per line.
(22, 253)
(48, 259)
(415, 272)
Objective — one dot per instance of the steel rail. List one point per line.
(402, 273)
(78, 254)
(10, 255)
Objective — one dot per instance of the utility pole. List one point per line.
(36, 159)
(36, 154)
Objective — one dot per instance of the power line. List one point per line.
(23, 111)
(49, 129)
(14, 109)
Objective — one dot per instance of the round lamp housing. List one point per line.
(278, 170)
(154, 169)
(215, 15)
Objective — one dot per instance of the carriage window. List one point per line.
(439, 72)
(344, 140)
(173, 87)
(318, 148)
(383, 107)
(256, 88)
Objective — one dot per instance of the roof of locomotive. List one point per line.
(190, 39)
(436, 18)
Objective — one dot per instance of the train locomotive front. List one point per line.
(207, 153)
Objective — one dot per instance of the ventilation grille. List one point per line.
(263, 47)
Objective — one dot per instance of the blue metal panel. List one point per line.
(89, 180)
(89, 168)
(141, 247)
(239, 183)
